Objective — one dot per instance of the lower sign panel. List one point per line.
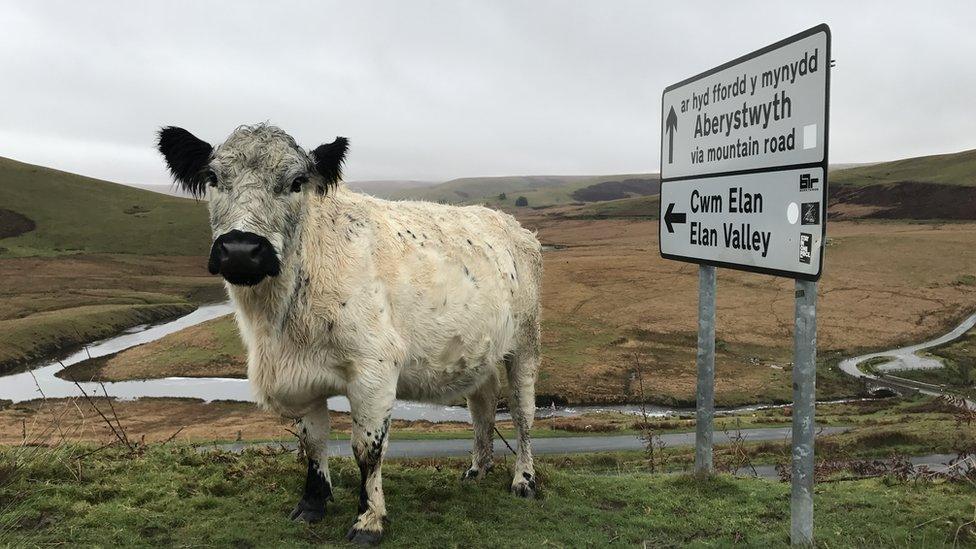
(771, 222)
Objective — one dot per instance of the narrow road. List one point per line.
(550, 445)
(907, 358)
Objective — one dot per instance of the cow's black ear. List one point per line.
(186, 156)
(328, 161)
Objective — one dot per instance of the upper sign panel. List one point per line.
(764, 110)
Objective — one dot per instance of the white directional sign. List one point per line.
(744, 161)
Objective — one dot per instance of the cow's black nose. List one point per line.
(243, 258)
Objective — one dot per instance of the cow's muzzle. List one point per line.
(243, 259)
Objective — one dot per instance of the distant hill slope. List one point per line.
(947, 169)
(539, 190)
(941, 186)
(51, 212)
(385, 187)
(640, 207)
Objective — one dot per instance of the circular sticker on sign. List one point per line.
(792, 213)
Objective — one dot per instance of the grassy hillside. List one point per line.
(928, 187)
(77, 214)
(645, 207)
(540, 190)
(179, 496)
(103, 257)
(948, 169)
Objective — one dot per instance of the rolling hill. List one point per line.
(941, 186)
(947, 169)
(82, 259)
(927, 187)
(539, 190)
(47, 212)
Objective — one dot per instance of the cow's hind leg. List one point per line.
(482, 404)
(371, 402)
(522, 366)
(313, 430)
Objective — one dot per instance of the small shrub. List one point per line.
(521, 202)
(887, 438)
(966, 280)
(136, 209)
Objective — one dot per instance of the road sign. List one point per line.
(768, 220)
(744, 161)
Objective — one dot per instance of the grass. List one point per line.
(76, 214)
(80, 298)
(966, 280)
(569, 346)
(48, 333)
(950, 169)
(177, 496)
(929, 426)
(102, 257)
(644, 207)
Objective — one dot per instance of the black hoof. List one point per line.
(476, 474)
(525, 489)
(305, 512)
(364, 537)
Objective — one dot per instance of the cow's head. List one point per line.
(256, 183)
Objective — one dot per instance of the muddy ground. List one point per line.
(191, 420)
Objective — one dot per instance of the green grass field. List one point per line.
(949, 169)
(77, 214)
(176, 496)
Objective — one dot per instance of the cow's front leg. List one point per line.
(482, 404)
(371, 399)
(313, 432)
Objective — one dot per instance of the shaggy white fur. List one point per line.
(378, 300)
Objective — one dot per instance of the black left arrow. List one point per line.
(671, 217)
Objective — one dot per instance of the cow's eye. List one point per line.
(211, 178)
(296, 185)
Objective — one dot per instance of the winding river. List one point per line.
(42, 382)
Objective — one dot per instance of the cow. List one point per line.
(341, 293)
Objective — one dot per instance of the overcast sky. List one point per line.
(437, 90)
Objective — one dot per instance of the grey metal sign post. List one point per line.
(744, 186)
(705, 359)
(804, 391)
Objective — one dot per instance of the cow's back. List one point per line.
(463, 282)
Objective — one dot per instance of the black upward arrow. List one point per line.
(671, 217)
(670, 125)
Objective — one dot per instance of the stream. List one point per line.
(41, 381)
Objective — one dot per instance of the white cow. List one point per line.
(338, 293)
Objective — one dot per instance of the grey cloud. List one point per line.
(435, 90)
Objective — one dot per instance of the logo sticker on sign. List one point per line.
(744, 161)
